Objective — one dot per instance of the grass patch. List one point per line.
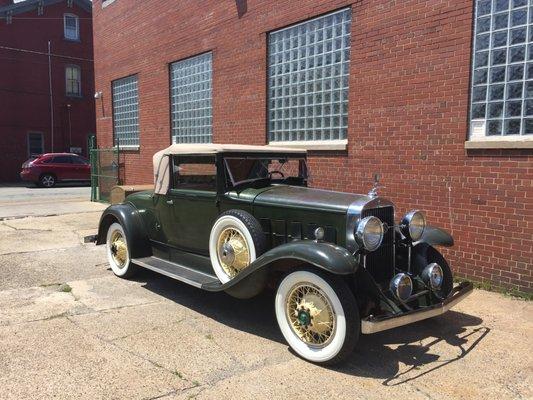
(178, 374)
(497, 289)
(65, 288)
(209, 336)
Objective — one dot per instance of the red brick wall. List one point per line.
(24, 85)
(409, 90)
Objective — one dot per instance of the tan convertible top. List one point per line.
(161, 170)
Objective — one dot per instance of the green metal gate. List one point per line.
(105, 167)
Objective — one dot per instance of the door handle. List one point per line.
(170, 201)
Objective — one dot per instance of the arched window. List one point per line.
(71, 27)
(73, 80)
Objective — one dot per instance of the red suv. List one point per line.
(48, 169)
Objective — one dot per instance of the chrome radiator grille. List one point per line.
(380, 263)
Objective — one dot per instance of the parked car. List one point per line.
(241, 219)
(47, 169)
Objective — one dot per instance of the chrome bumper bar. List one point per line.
(377, 324)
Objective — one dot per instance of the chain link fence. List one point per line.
(105, 167)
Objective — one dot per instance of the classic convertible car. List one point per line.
(241, 219)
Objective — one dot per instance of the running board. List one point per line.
(178, 272)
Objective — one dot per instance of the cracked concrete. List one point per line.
(153, 338)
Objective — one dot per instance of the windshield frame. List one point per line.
(269, 156)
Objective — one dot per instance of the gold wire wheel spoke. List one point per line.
(233, 252)
(119, 249)
(310, 314)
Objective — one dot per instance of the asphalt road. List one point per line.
(18, 200)
(70, 329)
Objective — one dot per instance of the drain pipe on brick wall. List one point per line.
(51, 97)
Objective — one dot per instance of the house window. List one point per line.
(35, 143)
(71, 27)
(126, 111)
(73, 81)
(502, 76)
(308, 69)
(190, 99)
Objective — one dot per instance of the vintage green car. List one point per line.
(241, 219)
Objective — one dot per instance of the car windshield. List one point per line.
(279, 169)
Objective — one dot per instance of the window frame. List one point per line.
(72, 67)
(179, 190)
(338, 135)
(28, 142)
(477, 135)
(77, 19)
(113, 115)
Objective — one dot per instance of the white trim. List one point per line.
(501, 142)
(106, 3)
(324, 145)
(77, 19)
(127, 147)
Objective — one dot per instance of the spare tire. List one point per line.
(236, 240)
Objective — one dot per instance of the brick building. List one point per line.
(46, 93)
(433, 95)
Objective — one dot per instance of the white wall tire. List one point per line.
(118, 254)
(345, 326)
(246, 244)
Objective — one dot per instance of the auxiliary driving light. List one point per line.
(413, 225)
(433, 276)
(402, 286)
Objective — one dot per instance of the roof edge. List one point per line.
(28, 5)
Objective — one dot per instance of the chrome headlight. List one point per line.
(369, 233)
(413, 225)
(402, 286)
(433, 276)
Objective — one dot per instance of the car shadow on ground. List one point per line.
(396, 356)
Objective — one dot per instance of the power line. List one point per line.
(45, 53)
(52, 18)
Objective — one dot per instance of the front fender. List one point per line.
(436, 237)
(326, 256)
(127, 216)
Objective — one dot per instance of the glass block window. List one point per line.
(308, 72)
(190, 99)
(126, 111)
(502, 76)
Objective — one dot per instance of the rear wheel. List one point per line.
(118, 253)
(47, 180)
(318, 316)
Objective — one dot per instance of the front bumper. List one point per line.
(373, 324)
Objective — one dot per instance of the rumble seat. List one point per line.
(119, 193)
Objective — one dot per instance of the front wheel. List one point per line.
(318, 316)
(118, 253)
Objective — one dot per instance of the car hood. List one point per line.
(304, 197)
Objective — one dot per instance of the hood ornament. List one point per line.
(374, 191)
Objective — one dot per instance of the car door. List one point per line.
(81, 169)
(190, 207)
(61, 166)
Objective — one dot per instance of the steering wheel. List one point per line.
(276, 172)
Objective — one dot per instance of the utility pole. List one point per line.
(51, 96)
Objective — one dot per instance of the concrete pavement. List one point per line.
(22, 200)
(70, 329)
